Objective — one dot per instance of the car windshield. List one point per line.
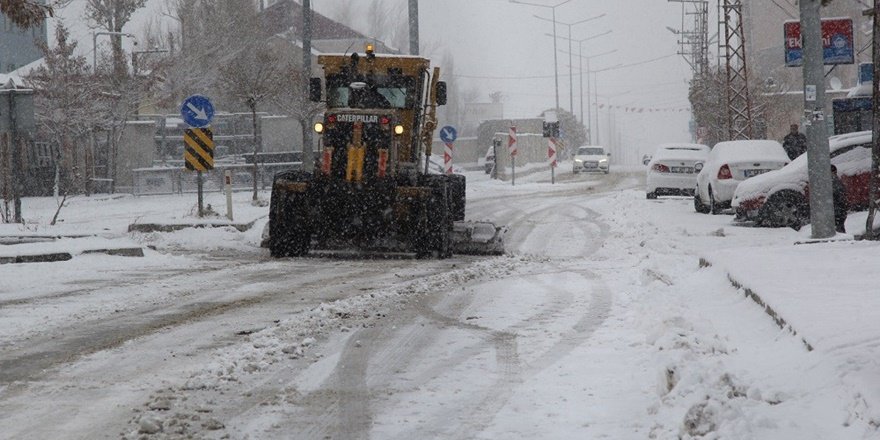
(590, 151)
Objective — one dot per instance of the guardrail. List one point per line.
(177, 180)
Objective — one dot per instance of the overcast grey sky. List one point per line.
(498, 45)
(501, 46)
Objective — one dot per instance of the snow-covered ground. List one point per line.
(599, 323)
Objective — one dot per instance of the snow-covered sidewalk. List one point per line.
(826, 292)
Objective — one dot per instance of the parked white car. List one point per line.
(731, 163)
(590, 158)
(673, 168)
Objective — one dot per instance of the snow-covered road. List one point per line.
(597, 324)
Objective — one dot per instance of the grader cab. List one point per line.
(372, 189)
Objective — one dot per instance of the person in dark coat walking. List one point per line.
(794, 143)
(840, 204)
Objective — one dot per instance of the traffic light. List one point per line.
(551, 129)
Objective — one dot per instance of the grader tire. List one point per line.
(289, 223)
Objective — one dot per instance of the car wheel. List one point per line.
(786, 209)
(713, 207)
(698, 203)
(651, 195)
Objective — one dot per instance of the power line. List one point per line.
(624, 66)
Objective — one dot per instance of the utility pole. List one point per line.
(413, 27)
(738, 102)
(818, 155)
(875, 155)
(694, 43)
(308, 155)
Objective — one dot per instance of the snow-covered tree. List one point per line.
(252, 78)
(291, 98)
(65, 102)
(211, 34)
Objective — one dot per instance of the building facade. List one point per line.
(19, 46)
(781, 86)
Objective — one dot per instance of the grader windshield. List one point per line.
(388, 93)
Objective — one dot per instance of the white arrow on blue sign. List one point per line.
(448, 134)
(197, 111)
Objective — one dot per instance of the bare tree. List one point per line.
(293, 101)
(65, 104)
(112, 16)
(251, 79)
(211, 34)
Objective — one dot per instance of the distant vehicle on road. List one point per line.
(673, 168)
(590, 158)
(729, 164)
(780, 198)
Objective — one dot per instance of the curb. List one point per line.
(119, 252)
(65, 256)
(751, 294)
(155, 227)
(40, 258)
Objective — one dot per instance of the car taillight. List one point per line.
(660, 168)
(724, 172)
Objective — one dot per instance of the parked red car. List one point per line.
(781, 198)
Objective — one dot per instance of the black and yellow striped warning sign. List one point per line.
(198, 150)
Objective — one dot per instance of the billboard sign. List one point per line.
(837, 42)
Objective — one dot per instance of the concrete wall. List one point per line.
(466, 150)
(281, 134)
(531, 149)
(137, 149)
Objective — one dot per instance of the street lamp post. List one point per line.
(589, 101)
(95, 46)
(553, 10)
(596, 92)
(581, 57)
(570, 73)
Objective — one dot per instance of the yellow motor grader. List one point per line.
(373, 188)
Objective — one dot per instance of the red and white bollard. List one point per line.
(447, 158)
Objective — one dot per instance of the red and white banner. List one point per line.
(551, 151)
(447, 158)
(511, 141)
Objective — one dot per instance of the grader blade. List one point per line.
(478, 238)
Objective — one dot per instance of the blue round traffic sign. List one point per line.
(448, 134)
(197, 111)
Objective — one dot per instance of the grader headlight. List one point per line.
(319, 127)
(398, 129)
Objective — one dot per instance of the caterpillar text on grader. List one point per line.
(372, 189)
